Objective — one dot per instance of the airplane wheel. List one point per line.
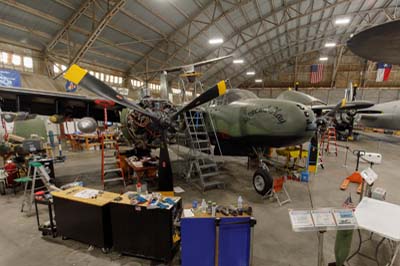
(262, 182)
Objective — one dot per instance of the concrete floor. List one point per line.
(274, 244)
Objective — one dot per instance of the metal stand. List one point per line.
(358, 251)
(283, 191)
(321, 247)
(52, 230)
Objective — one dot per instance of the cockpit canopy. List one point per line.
(233, 95)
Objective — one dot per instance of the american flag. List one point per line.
(317, 72)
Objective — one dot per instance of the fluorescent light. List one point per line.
(250, 73)
(216, 41)
(238, 61)
(330, 44)
(351, 35)
(258, 80)
(324, 58)
(342, 21)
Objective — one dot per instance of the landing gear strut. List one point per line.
(262, 178)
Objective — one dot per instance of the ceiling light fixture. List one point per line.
(250, 73)
(216, 41)
(342, 21)
(258, 80)
(324, 58)
(330, 44)
(238, 61)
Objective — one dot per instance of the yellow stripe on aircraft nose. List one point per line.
(75, 74)
(343, 103)
(221, 87)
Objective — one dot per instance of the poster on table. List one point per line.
(10, 78)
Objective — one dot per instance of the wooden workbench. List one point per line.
(84, 219)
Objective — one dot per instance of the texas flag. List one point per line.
(383, 71)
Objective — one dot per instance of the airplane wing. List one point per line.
(50, 103)
(355, 105)
(179, 68)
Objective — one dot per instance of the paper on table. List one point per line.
(87, 194)
(301, 219)
(188, 213)
(178, 190)
(323, 218)
(344, 217)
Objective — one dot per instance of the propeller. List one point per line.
(81, 77)
(322, 121)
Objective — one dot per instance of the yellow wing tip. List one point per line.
(221, 87)
(343, 102)
(75, 74)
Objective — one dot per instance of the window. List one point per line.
(101, 76)
(111, 78)
(55, 68)
(120, 80)
(28, 62)
(97, 75)
(91, 73)
(4, 57)
(107, 78)
(189, 93)
(176, 91)
(16, 60)
(123, 91)
(63, 67)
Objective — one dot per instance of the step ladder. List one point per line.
(202, 161)
(328, 139)
(111, 169)
(39, 172)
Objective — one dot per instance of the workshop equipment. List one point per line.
(111, 170)
(140, 230)
(328, 139)
(202, 157)
(356, 176)
(83, 214)
(217, 241)
(280, 189)
(39, 172)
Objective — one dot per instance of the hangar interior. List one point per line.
(201, 132)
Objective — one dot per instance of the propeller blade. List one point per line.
(165, 177)
(340, 104)
(80, 76)
(206, 96)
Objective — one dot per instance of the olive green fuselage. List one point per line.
(244, 124)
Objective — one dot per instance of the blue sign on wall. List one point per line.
(10, 78)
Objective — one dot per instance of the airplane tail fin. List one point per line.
(351, 92)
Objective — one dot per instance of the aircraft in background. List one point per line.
(382, 115)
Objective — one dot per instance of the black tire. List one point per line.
(2, 188)
(262, 182)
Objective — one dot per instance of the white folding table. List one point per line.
(381, 218)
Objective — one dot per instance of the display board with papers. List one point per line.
(322, 219)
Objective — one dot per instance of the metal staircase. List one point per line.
(111, 170)
(202, 161)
